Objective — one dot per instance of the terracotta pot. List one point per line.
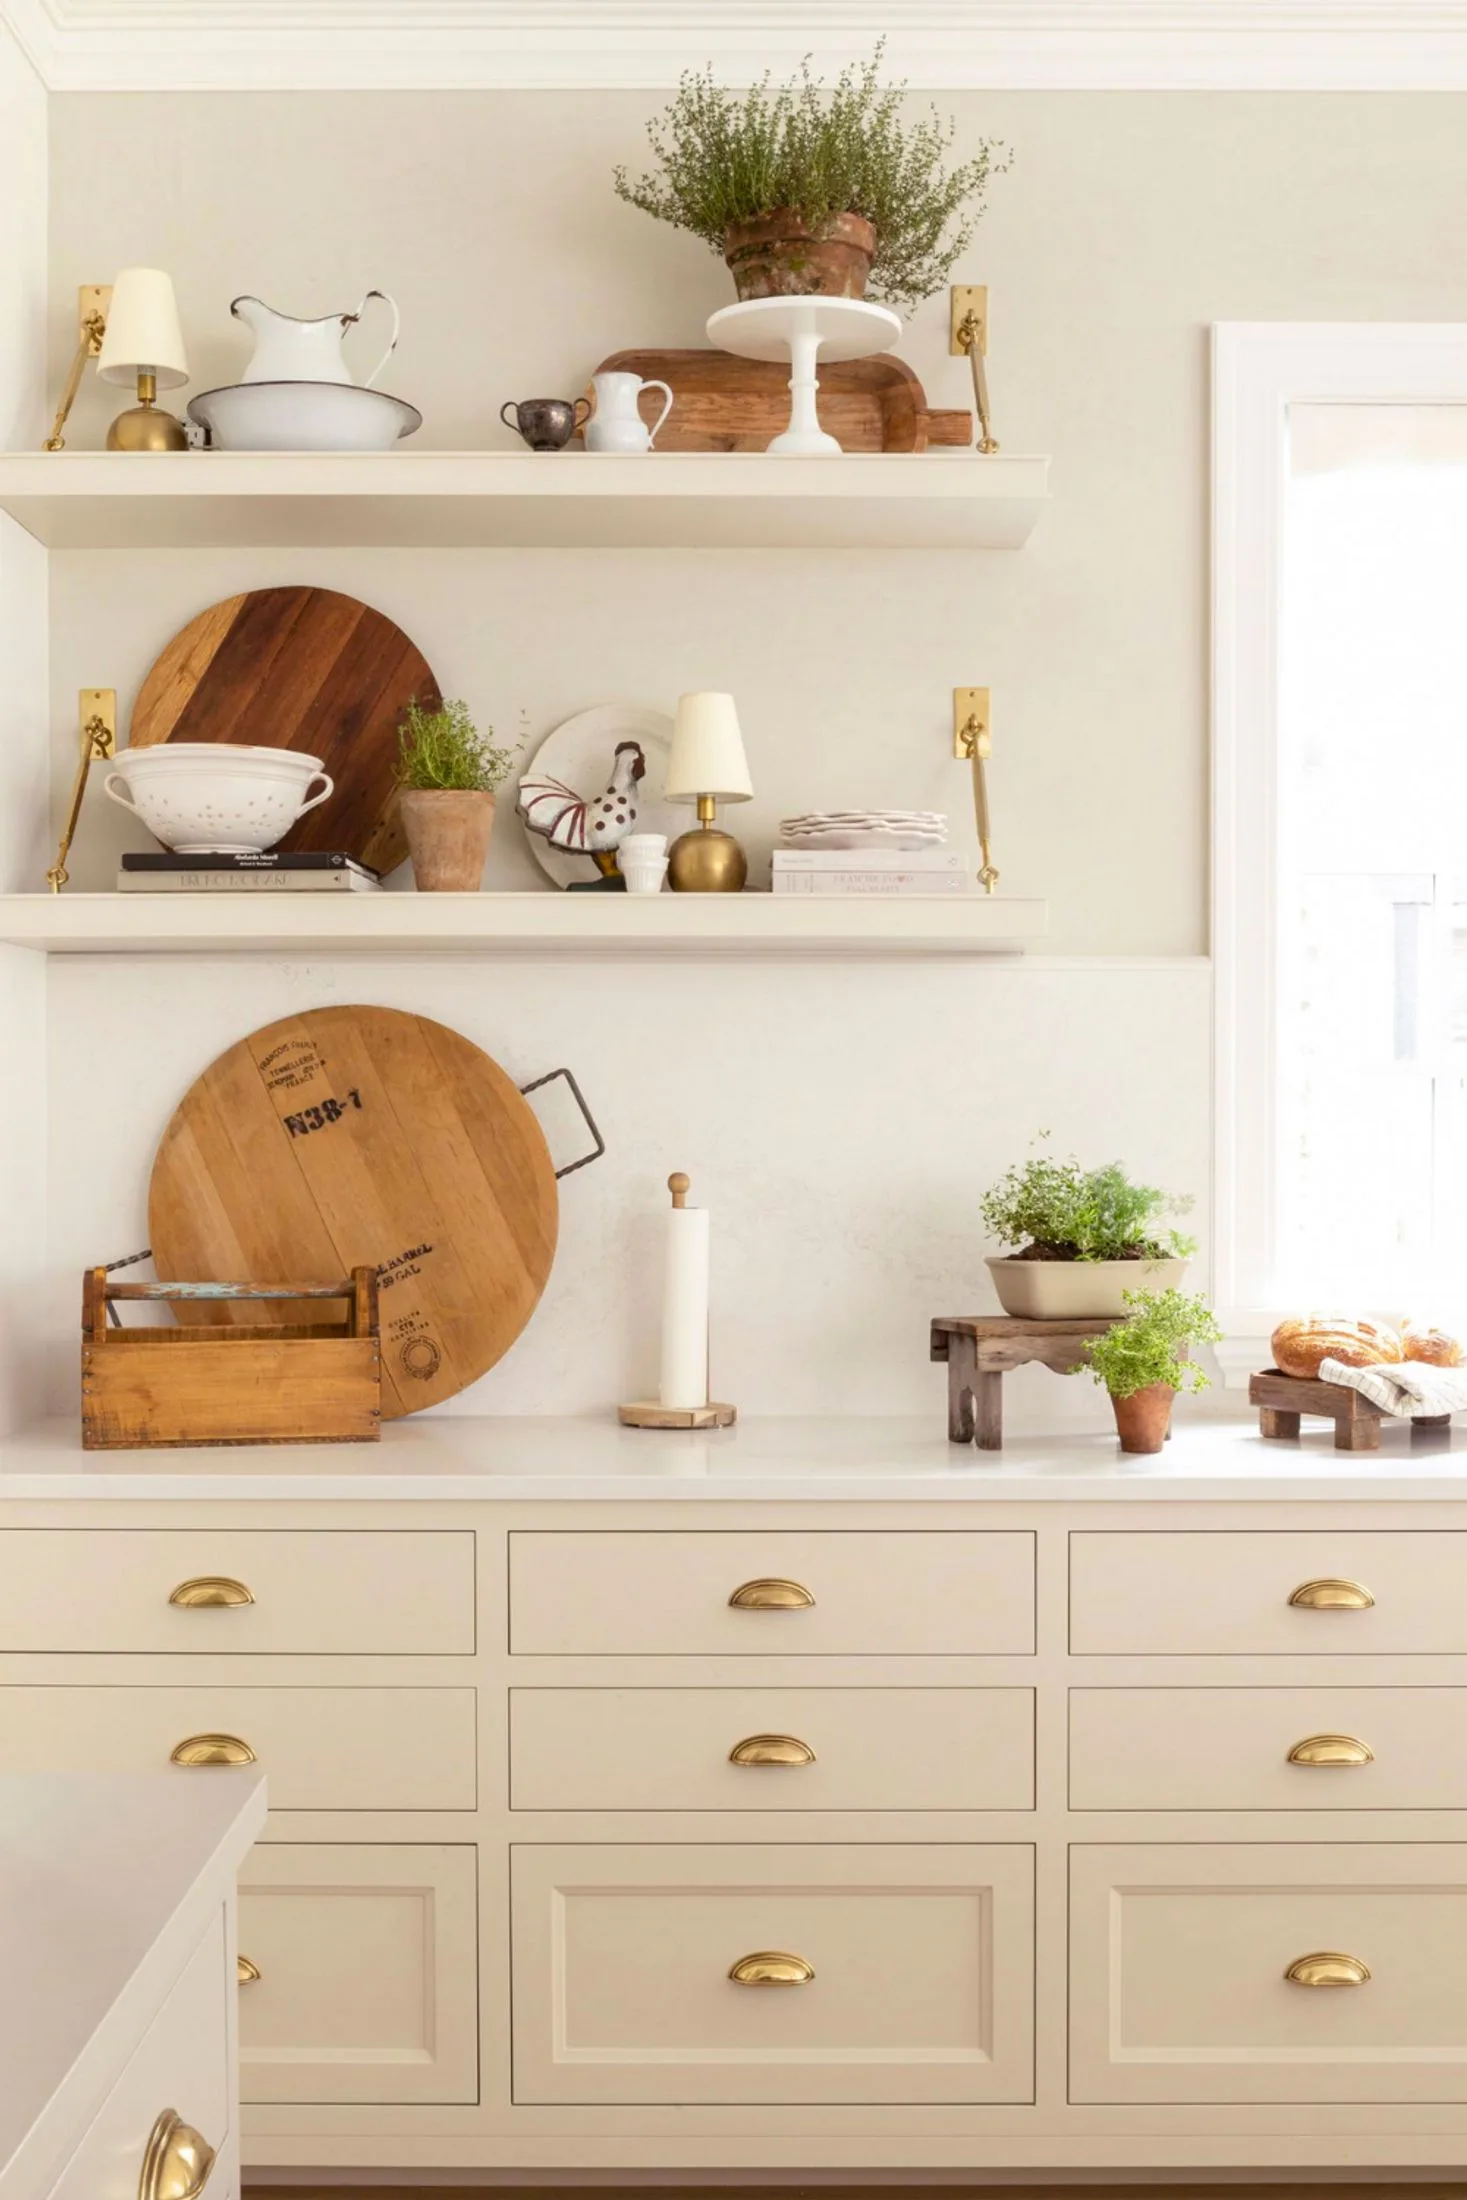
(781, 255)
(448, 838)
(1143, 1420)
(1073, 1290)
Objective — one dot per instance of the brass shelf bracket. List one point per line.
(93, 302)
(968, 335)
(97, 710)
(973, 744)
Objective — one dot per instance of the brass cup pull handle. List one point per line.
(1330, 1595)
(176, 2161)
(1326, 1967)
(1331, 1750)
(771, 1967)
(771, 1749)
(245, 1972)
(207, 1592)
(211, 1749)
(771, 1595)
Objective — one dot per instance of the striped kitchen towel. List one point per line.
(1412, 1389)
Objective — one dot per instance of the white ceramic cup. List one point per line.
(645, 875)
(642, 847)
(211, 798)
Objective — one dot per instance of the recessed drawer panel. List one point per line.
(181, 2062)
(366, 1963)
(322, 1748)
(1268, 1749)
(1271, 1973)
(330, 1591)
(1325, 1593)
(772, 1748)
(753, 1975)
(775, 1594)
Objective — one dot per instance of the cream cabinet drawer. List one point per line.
(822, 1593)
(1199, 1594)
(1180, 1960)
(367, 1986)
(314, 1591)
(1268, 1749)
(322, 1748)
(182, 2063)
(919, 1982)
(772, 1748)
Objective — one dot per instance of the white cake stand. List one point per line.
(803, 328)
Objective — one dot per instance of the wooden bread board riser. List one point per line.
(725, 404)
(216, 1384)
(349, 1136)
(299, 668)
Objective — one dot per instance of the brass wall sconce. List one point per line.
(973, 743)
(93, 302)
(97, 710)
(968, 337)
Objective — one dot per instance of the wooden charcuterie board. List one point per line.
(721, 403)
(299, 668)
(349, 1136)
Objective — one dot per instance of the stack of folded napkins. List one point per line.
(1411, 1389)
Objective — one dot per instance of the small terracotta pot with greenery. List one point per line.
(1143, 1362)
(812, 191)
(447, 773)
(1084, 1239)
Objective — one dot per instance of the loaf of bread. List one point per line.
(1301, 1343)
(1433, 1346)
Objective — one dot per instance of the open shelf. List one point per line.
(469, 924)
(115, 500)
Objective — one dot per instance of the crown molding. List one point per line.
(531, 45)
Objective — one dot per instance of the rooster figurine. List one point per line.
(596, 828)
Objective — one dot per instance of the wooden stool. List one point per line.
(1281, 1399)
(981, 1348)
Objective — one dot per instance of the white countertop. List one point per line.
(107, 1883)
(805, 1461)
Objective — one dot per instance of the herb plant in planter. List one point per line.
(1083, 1239)
(812, 192)
(1144, 1362)
(447, 774)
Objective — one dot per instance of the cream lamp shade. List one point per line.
(143, 335)
(707, 752)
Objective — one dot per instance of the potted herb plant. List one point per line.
(1082, 1239)
(1143, 1362)
(447, 773)
(808, 191)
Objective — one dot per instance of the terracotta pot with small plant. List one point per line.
(447, 773)
(1082, 1239)
(1143, 1362)
(814, 191)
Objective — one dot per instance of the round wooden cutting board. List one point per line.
(299, 668)
(351, 1135)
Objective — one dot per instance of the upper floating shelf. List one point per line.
(525, 924)
(425, 500)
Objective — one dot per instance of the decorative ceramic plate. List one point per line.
(581, 753)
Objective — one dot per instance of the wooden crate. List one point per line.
(226, 1383)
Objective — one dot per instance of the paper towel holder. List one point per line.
(649, 1412)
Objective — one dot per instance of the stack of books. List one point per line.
(928, 870)
(305, 872)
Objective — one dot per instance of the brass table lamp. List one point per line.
(144, 346)
(707, 766)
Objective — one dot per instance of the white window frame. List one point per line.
(1260, 369)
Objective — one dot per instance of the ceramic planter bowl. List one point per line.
(781, 255)
(448, 837)
(205, 798)
(1071, 1290)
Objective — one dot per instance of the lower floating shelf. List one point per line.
(523, 924)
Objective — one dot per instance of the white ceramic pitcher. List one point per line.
(616, 424)
(291, 350)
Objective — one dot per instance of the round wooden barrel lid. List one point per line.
(363, 1135)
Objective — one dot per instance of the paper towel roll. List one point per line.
(684, 1380)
